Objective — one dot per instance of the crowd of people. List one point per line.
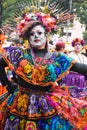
(37, 95)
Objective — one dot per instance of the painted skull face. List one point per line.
(37, 36)
(78, 47)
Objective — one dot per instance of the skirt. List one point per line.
(29, 109)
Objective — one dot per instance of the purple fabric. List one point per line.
(12, 124)
(75, 79)
(77, 92)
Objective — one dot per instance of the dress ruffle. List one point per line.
(23, 108)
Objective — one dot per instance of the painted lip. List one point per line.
(36, 40)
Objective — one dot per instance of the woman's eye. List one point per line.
(39, 33)
(32, 33)
(77, 44)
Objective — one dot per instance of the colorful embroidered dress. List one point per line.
(39, 104)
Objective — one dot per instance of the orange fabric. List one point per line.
(2, 91)
(2, 38)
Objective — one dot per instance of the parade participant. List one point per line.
(38, 103)
(76, 79)
(60, 46)
(78, 43)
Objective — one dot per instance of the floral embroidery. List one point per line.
(24, 67)
(38, 60)
(27, 69)
(39, 73)
(23, 62)
(15, 54)
(51, 69)
(22, 124)
(30, 125)
(22, 103)
(11, 123)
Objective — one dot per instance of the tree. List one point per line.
(80, 9)
(7, 7)
(65, 5)
(85, 37)
(0, 13)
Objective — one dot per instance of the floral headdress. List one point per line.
(48, 21)
(46, 11)
(78, 40)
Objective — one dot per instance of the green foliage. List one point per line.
(10, 7)
(80, 9)
(7, 7)
(64, 4)
(85, 36)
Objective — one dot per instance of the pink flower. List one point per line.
(48, 21)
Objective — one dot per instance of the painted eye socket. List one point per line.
(39, 33)
(32, 34)
(77, 44)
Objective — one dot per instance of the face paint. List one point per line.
(37, 36)
(78, 47)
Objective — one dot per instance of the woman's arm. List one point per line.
(80, 68)
(3, 77)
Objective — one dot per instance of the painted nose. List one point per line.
(36, 36)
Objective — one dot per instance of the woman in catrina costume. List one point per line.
(37, 102)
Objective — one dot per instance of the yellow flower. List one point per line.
(39, 74)
(27, 68)
(22, 103)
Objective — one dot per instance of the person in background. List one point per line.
(75, 79)
(77, 55)
(17, 43)
(60, 46)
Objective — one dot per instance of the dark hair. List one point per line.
(27, 30)
(30, 26)
(59, 45)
